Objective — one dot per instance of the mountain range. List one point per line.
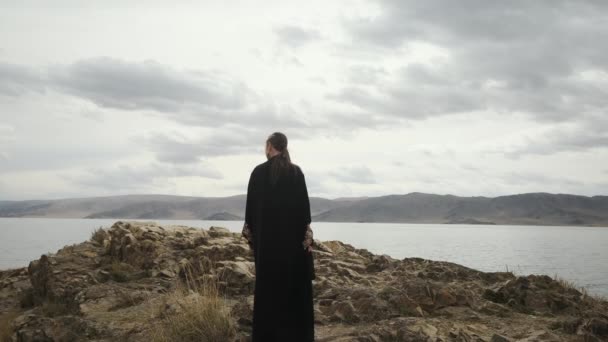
(522, 209)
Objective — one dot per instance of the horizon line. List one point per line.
(333, 199)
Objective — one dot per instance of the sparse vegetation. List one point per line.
(194, 311)
(54, 308)
(127, 299)
(6, 331)
(594, 301)
(119, 271)
(98, 235)
(567, 283)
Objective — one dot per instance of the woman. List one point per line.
(277, 228)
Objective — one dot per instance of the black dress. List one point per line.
(277, 217)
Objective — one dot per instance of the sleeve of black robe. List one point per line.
(304, 202)
(306, 218)
(248, 228)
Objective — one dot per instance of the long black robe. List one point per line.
(277, 216)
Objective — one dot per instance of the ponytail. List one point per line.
(282, 165)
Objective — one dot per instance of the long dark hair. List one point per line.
(281, 165)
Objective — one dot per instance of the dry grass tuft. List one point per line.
(593, 300)
(195, 311)
(567, 284)
(98, 235)
(55, 308)
(120, 271)
(6, 331)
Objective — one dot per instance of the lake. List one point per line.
(577, 254)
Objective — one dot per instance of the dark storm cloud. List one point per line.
(16, 80)
(354, 174)
(516, 56)
(295, 36)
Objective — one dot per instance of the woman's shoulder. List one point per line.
(297, 168)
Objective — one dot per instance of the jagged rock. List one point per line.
(379, 263)
(35, 328)
(243, 311)
(344, 311)
(118, 285)
(239, 275)
(498, 338)
(597, 326)
(219, 232)
(61, 277)
(536, 294)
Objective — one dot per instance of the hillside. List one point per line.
(144, 207)
(522, 209)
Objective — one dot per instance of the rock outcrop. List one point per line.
(112, 288)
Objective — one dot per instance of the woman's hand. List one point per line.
(246, 233)
(308, 241)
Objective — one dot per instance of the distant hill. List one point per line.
(526, 209)
(223, 217)
(145, 207)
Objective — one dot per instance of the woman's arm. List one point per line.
(248, 230)
(305, 207)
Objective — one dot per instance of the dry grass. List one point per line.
(55, 308)
(195, 311)
(6, 331)
(594, 300)
(98, 235)
(567, 283)
(120, 271)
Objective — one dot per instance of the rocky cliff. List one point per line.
(121, 284)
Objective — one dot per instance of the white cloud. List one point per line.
(376, 98)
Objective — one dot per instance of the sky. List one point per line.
(469, 98)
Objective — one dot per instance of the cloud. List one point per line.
(295, 36)
(179, 149)
(7, 133)
(354, 174)
(15, 80)
(525, 178)
(366, 74)
(114, 83)
(589, 133)
(506, 57)
(138, 177)
(191, 97)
